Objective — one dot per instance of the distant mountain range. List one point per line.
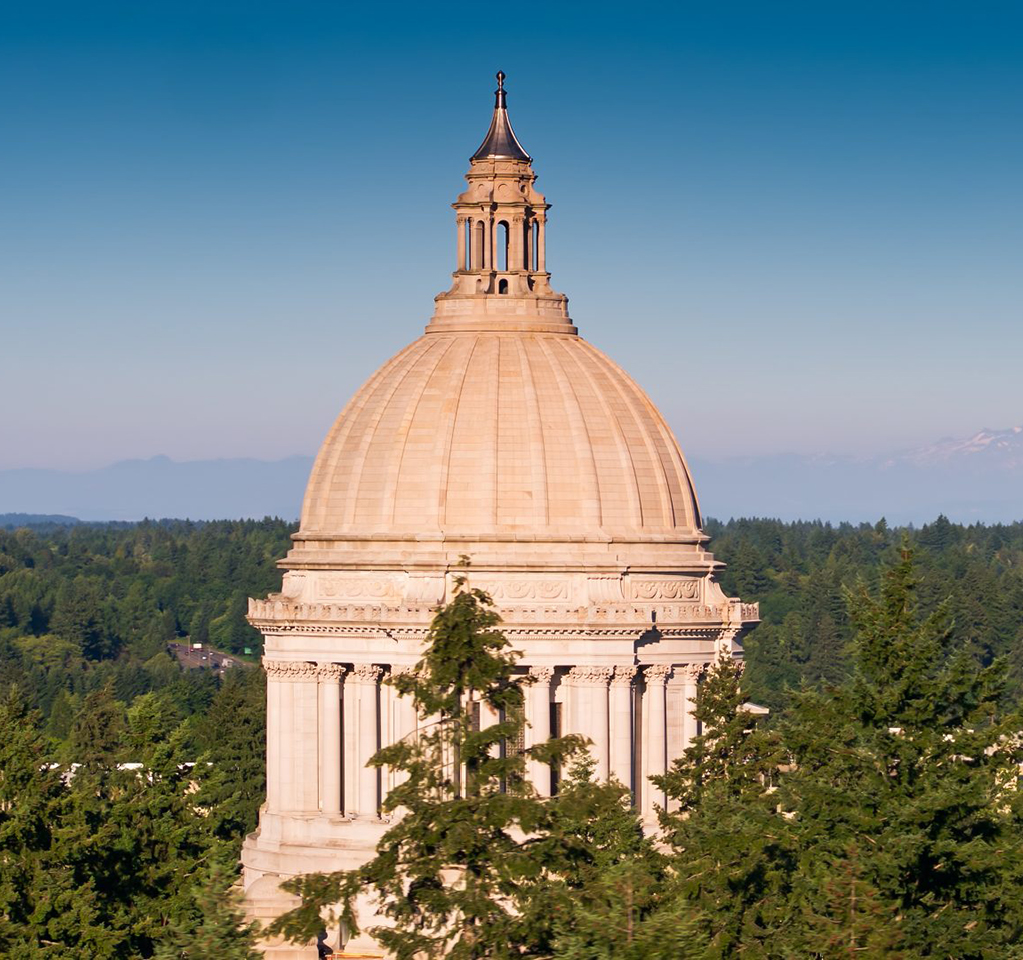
(978, 479)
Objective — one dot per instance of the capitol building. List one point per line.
(500, 434)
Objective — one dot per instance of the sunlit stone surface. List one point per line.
(503, 435)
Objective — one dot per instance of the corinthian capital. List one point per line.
(367, 672)
(289, 670)
(691, 672)
(542, 674)
(590, 674)
(657, 673)
(330, 671)
(624, 675)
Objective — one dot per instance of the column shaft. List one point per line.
(369, 794)
(460, 242)
(621, 725)
(273, 735)
(538, 700)
(691, 677)
(655, 746)
(330, 738)
(541, 246)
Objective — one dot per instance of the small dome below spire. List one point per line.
(500, 142)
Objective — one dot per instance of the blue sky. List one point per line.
(799, 226)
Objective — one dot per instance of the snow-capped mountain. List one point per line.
(994, 448)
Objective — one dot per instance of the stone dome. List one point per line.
(477, 433)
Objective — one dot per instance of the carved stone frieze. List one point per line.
(675, 588)
(357, 588)
(522, 589)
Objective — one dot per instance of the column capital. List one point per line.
(367, 672)
(461, 218)
(691, 672)
(330, 671)
(656, 673)
(590, 674)
(402, 669)
(624, 675)
(290, 670)
(542, 674)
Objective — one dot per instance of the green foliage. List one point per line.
(459, 872)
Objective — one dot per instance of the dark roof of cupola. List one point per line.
(500, 142)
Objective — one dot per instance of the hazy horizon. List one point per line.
(799, 229)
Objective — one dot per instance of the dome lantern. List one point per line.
(501, 222)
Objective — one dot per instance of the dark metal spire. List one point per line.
(500, 142)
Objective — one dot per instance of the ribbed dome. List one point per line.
(496, 433)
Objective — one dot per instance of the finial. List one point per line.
(499, 100)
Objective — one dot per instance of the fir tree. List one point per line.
(459, 872)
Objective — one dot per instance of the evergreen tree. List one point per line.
(459, 872)
(730, 852)
(903, 793)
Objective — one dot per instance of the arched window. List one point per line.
(468, 265)
(502, 286)
(534, 229)
(502, 246)
(478, 242)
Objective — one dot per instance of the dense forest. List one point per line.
(98, 860)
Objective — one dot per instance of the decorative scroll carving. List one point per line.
(524, 589)
(330, 671)
(590, 674)
(357, 588)
(623, 676)
(367, 672)
(542, 674)
(290, 670)
(668, 589)
(656, 673)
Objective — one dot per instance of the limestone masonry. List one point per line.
(503, 435)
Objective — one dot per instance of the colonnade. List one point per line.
(326, 720)
(477, 240)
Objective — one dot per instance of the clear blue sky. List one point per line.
(799, 226)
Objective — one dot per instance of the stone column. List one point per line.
(538, 702)
(588, 691)
(330, 737)
(273, 669)
(478, 242)
(460, 224)
(654, 740)
(516, 237)
(621, 724)
(541, 245)
(367, 676)
(294, 762)
(691, 673)
(405, 719)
